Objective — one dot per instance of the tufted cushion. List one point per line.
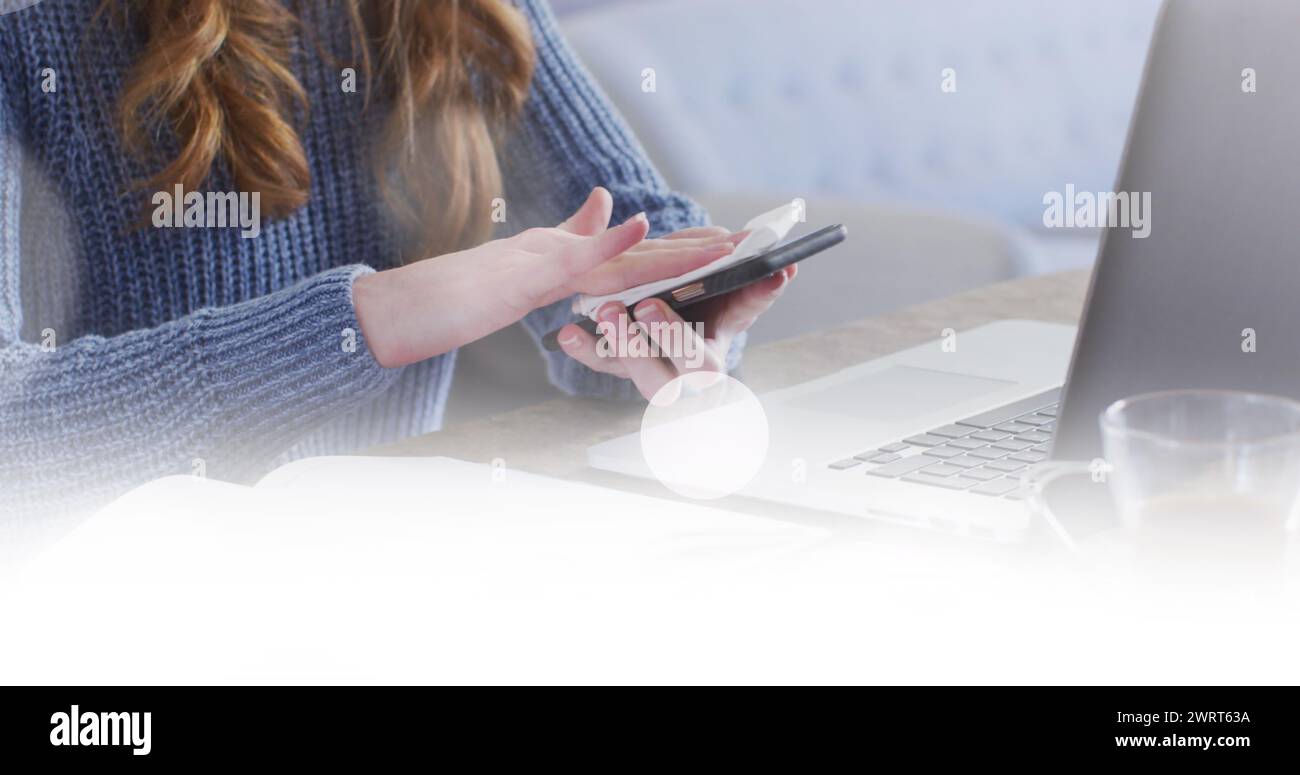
(841, 98)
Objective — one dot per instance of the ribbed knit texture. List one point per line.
(195, 344)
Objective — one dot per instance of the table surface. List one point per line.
(552, 437)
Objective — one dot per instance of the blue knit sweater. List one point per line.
(195, 349)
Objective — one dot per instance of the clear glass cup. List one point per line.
(1196, 476)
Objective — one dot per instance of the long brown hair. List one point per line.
(450, 73)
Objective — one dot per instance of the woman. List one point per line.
(374, 134)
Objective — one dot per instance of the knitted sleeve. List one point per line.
(570, 141)
(219, 392)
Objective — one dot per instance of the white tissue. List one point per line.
(764, 230)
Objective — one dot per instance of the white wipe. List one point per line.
(764, 230)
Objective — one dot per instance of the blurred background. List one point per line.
(756, 102)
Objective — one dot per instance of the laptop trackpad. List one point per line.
(897, 393)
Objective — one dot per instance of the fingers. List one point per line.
(625, 351)
(676, 339)
(676, 242)
(699, 232)
(583, 348)
(593, 216)
(651, 352)
(658, 259)
(639, 260)
(644, 266)
(647, 372)
(590, 220)
(738, 310)
(578, 258)
(572, 262)
(680, 243)
(706, 232)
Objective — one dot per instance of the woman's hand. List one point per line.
(679, 348)
(431, 307)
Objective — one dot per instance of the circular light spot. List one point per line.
(704, 435)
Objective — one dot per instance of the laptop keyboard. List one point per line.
(983, 454)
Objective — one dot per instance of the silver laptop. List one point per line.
(940, 437)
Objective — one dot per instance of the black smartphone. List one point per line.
(731, 278)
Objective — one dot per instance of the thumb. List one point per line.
(593, 217)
